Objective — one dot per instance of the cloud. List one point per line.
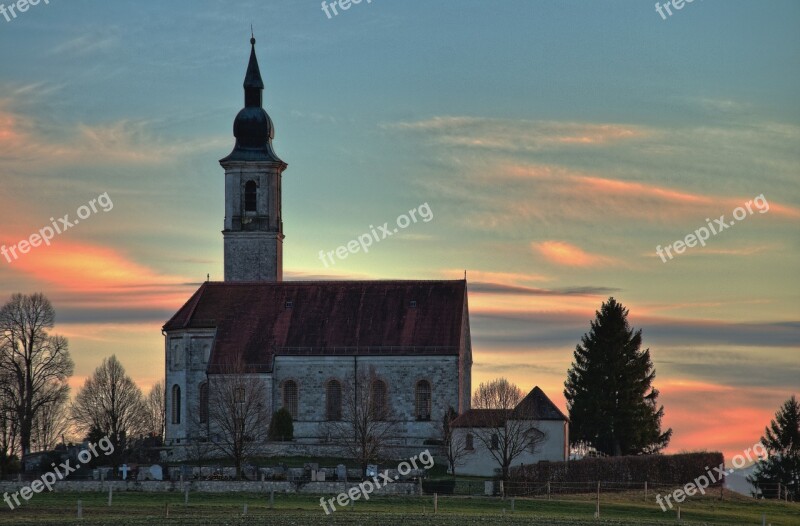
(26, 143)
(87, 43)
(92, 283)
(551, 324)
(519, 135)
(497, 288)
(563, 253)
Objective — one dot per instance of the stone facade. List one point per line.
(253, 237)
(187, 356)
(311, 375)
(400, 373)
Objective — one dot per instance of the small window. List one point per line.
(238, 395)
(422, 400)
(333, 401)
(203, 403)
(250, 196)
(378, 399)
(289, 304)
(495, 441)
(413, 304)
(469, 442)
(290, 397)
(176, 404)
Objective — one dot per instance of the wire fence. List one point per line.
(589, 490)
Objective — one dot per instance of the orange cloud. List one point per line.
(89, 276)
(707, 416)
(565, 193)
(562, 253)
(633, 189)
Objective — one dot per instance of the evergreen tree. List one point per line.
(611, 400)
(281, 427)
(782, 465)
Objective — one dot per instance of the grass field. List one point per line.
(205, 509)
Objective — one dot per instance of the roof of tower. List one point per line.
(253, 127)
(252, 79)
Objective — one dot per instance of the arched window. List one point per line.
(495, 441)
(203, 403)
(469, 442)
(333, 400)
(378, 399)
(290, 397)
(422, 400)
(250, 196)
(176, 404)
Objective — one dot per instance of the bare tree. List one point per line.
(504, 430)
(238, 416)
(111, 404)
(51, 424)
(365, 426)
(156, 405)
(455, 448)
(9, 434)
(36, 365)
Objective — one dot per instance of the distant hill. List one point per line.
(737, 481)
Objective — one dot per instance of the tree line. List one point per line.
(36, 413)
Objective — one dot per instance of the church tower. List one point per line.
(253, 231)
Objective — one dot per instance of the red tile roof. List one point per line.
(260, 320)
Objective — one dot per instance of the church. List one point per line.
(307, 339)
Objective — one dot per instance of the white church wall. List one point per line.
(479, 461)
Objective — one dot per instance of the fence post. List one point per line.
(679, 514)
(597, 509)
(548, 490)
(271, 499)
(110, 494)
(80, 509)
(435, 503)
(244, 510)
(645, 491)
(186, 496)
(763, 519)
(512, 504)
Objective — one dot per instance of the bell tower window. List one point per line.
(250, 196)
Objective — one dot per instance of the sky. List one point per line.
(556, 144)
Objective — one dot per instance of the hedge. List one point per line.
(657, 469)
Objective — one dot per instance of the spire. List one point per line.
(253, 85)
(253, 127)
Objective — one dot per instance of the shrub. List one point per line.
(281, 428)
(442, 487)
